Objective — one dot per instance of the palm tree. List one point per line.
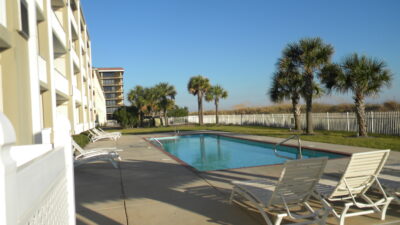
(309, 55)
(362, 75)
(137, 99)
(287, 84)
(199, 85)
(216, 93)
(166, 94)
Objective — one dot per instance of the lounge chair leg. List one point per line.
(385, 207)
(279, 219)
(343, 215)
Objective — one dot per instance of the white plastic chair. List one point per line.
(98, 154)
(293, 189)
(360, 174)
(96, 137)
(390, 180)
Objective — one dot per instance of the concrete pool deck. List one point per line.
(152, 188)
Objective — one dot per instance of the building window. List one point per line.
(111, 110)
(24, 18)
(109, 89)
(108, 82)
(111, 102)
(110, 95)
(109, 74)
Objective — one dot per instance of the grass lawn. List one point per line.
(336, 137)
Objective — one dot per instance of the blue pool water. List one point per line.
(207, 152)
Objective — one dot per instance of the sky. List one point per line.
(235, 43)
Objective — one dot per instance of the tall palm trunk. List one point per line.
(165, 117)
(296, 112)
(200, 105)
(216, 112)
(360, 113)
(309, 96)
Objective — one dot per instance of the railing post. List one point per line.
(348, 122)
(62, 138)
(8, 174)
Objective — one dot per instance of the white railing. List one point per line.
(77, 94)
(42, 69)
(58, 28)
(61, 82)
(36, 181)
(377, 122)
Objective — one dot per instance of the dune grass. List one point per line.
(376, 141)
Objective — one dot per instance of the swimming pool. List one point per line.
(207, 152)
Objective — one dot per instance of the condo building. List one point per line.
(46, 69)
(112, 82)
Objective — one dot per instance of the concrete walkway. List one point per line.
(151, 188)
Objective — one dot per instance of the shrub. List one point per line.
(126, 117)
(81, 139)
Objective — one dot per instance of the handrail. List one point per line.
(300, 155)
(158, 142)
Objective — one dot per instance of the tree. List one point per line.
(178, 111)
(287, 84)
(363, 76)
(166, 95)
(215, 93)
(136, 97)
(309, 55)
(199, 85)
(125, 117)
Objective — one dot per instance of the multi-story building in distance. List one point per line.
(46, 69)
(112, 82)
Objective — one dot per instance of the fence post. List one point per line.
(372, 122)
(273, 120)
(327, 119)
(241, 119)
(348, 122)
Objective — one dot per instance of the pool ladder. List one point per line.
(300, 155)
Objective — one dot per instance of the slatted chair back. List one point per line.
(297, 180)
(76, 147)
(361, 172)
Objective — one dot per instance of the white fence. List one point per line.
(36, 181)
(377, 122)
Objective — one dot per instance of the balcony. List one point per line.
(85, 102)
(61, 83)
(77, 94)
(75, 58)
(73, 20)
(42, 69)
(58, 33)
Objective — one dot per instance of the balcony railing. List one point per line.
(61, 82)
(42, 69)
(58, 28)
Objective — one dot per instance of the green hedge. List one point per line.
(81, 139)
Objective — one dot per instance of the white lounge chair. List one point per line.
(361, 173)
(293, 189)
(101, 131)
(96, 137)
(99, 154)
(390, 180)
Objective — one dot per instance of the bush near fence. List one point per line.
(377, 122)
